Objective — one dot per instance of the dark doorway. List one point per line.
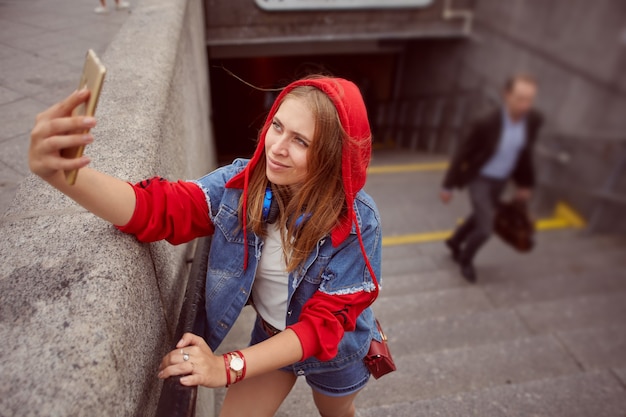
(239, 110)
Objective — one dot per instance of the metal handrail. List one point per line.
(177, 400)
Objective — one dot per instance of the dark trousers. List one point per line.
(477, 228)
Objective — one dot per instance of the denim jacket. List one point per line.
(333, 270)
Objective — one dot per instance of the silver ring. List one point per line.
(185, 357)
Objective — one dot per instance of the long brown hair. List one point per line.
(321, 197)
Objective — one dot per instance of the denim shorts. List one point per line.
(334, 383)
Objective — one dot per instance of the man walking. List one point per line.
(498, 148)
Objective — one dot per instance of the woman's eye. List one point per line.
(302, 142)
(276, 125)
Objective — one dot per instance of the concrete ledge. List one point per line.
(85, 312)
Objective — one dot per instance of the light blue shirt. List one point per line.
(510, 145)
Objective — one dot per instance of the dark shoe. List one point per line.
(454, 249)
(468, 272)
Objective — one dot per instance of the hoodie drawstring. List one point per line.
(367, 261)
(245, 219)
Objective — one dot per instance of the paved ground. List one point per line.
(540, 335)
(42, 48)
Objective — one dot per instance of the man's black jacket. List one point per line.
(481, 144)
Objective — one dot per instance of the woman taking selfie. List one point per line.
(293, 233)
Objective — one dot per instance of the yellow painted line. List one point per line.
(564, 217)
(394, 169)
(416, 238)
(564, 211)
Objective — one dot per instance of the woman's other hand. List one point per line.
(202, 367)
(55, 129)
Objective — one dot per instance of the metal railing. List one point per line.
(429, 123)
(177, 400)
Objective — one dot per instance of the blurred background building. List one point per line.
(427, 67)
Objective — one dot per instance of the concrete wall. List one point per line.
(86, 313)
(575, 47)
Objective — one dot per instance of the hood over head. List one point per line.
(356, 150)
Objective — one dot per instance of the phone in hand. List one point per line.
(92, 78)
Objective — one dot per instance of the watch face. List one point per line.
(236, 364)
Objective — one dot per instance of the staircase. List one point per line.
(542, 334)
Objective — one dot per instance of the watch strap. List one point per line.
(227, 366)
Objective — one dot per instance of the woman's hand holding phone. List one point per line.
(56, 129)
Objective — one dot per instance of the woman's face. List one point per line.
(287, 142)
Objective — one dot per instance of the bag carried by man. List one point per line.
(514, 225)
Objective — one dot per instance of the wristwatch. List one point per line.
(237, 365)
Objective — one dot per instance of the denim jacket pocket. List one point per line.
(228, 237)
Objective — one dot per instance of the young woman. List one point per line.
(293, 232)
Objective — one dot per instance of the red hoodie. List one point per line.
(356, 152)
(178, 212)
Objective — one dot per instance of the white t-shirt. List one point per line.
(270, 289)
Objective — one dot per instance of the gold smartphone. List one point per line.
(92, 78)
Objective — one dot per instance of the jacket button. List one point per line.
(300, 372)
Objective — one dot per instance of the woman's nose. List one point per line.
(280, 146)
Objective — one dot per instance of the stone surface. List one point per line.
(621, 374)
(91, 311)
(81, 318)
(575, 313)
(431, 304)
(423, 281)
(453, 371)
(598, 347)
(411, 336)
(555, 286)
(595, 394)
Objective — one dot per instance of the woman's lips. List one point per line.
(276, 166)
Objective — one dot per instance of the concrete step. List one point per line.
(454, 371)
(597, 394)
(410, 337)
(499, 262)
(553, 243)
(597, 347)
(491, 268)
(575, 313)
(429, 304)
(513, 288)
(621, 374)
(552, 286)
(402, 284)
(531, 330)
(450, 372)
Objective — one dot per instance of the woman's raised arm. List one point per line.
(105, 196)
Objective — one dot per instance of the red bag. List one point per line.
(378, 359)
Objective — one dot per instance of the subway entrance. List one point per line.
(239, 109)
(417, 93)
